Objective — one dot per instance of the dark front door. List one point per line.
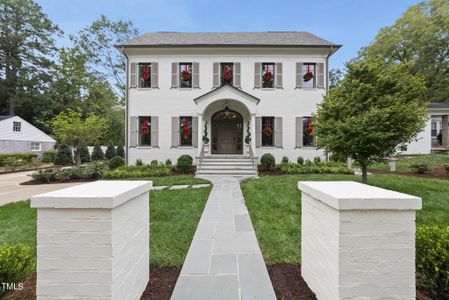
(227, 132)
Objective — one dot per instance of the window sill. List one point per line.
(146, 147)
(307, 147)
(147, 89)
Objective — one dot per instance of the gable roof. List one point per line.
(230, 88)
(229, 39)
(28, 131)
(438, 106)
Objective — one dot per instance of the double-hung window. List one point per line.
(226, 73)
(308, 134)
(267, 132)
(16, 126)
(144, 136)
(185, 131)
(309, 75)
(35, 146)
(267, 75)
(185, 75)
(144, 75)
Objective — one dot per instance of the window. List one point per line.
(185, 75)
(308, 78)
(145, 75)
(434, 129)
(145, 131)
(185, 131)
(267, 131)
(267, 75)
(35, 146)
(226, 73)
(16, 126)
(308, 137)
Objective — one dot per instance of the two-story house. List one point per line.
(224, 96)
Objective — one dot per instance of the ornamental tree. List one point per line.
(70, 128)
(374, 109)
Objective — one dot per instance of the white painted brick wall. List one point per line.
(358, 241)
(93, 253)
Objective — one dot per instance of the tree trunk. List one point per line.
(365, 174)
(77, 157)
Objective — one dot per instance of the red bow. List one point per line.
(145, 72)
(226, 73)
(268, 73)
(145, 126)
(185, 73)
(267, 129)
(309, 127)
(186, 128)
(309, 73)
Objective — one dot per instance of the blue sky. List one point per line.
(352, 23)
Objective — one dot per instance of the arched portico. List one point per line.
(226, 112)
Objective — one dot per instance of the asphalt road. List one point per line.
(12, 191)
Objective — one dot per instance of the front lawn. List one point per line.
(274, 206)
(174, 215)
(404, 162)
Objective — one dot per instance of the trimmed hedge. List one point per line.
(16, 262)
(321, 168)
(93, 170)
(116, 162)
(184, 163)
(7, 158)
(139, 172)
(420, 168)
(432, 259)
(49, 156)
(110, 152)
(267, 161)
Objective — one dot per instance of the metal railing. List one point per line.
(252, 158)
(201, 157)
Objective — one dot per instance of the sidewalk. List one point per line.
(224, 260)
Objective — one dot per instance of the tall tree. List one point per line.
(26, 45)
(420, 39)
(375, 109)
(97, 43)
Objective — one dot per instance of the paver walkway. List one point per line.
(224, 260)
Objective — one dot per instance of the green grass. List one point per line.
(174, 216)
(404, 162)
(172, 180)
(275, 208)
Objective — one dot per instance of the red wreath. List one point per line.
(186, 73)
(309, 75)
(145, 72)
(144, 126)
(268, 74)
(309, 127)
(267, 130)
(185, 128)
(227, 73)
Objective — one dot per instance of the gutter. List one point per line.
(126, 106)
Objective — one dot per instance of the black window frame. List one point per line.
(304, 71)
(16, 126)
(267, 140)
(185, 84)
(230, 81)
(144, 84)
(268, 84)
(308, 140)
(185, 141)
(141, 138)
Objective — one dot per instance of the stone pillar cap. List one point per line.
(350, 195)
(98, 194)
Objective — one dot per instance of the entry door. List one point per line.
(227, 137)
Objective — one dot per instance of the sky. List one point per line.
(351, 23)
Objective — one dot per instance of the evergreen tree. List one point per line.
(110, 152)
(97, 153)
(63, 156)
(121, 151)
(84, 154)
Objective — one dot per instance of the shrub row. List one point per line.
(321, 168)
(16, 158)
(139, 171)
(94, 170)
(432, 260)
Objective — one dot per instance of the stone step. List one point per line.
(226, 172)
(225, 163)
(226, 160)
(230, 167)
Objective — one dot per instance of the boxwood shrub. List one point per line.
(322, 168)
(184, 163)
(142, 171)
(267, 161)
(16, 262)
(49, 156)
(432, 259)
(116, 162)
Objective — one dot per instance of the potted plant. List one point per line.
(206, 140)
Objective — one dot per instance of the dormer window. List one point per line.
(268, 75)
(145, 75)
(16, 126)
(227, 73)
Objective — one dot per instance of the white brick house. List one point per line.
(264, 83)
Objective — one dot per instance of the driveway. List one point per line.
(12, 191)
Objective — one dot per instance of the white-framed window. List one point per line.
(16, 126)
(267, 75)
(185, 75)
(267, 132)
(145, 75)
(144, 131)
(227, 73)
(36, 146)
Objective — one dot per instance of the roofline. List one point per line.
(124, 46)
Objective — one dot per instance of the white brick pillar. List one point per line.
(357, 241)
(93, 241)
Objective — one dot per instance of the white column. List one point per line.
(200, 133)
(93, 241)
(253, 132)
(358, 241)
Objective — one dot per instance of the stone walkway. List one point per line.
(224, 260)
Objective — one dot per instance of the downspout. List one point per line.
(126, 107)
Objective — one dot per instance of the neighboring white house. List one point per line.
(264, 83)
(17, 135)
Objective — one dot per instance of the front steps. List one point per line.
(234, 165)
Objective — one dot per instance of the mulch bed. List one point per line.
(286, 279)
(438, 173)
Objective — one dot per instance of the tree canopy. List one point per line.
(373, 110)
